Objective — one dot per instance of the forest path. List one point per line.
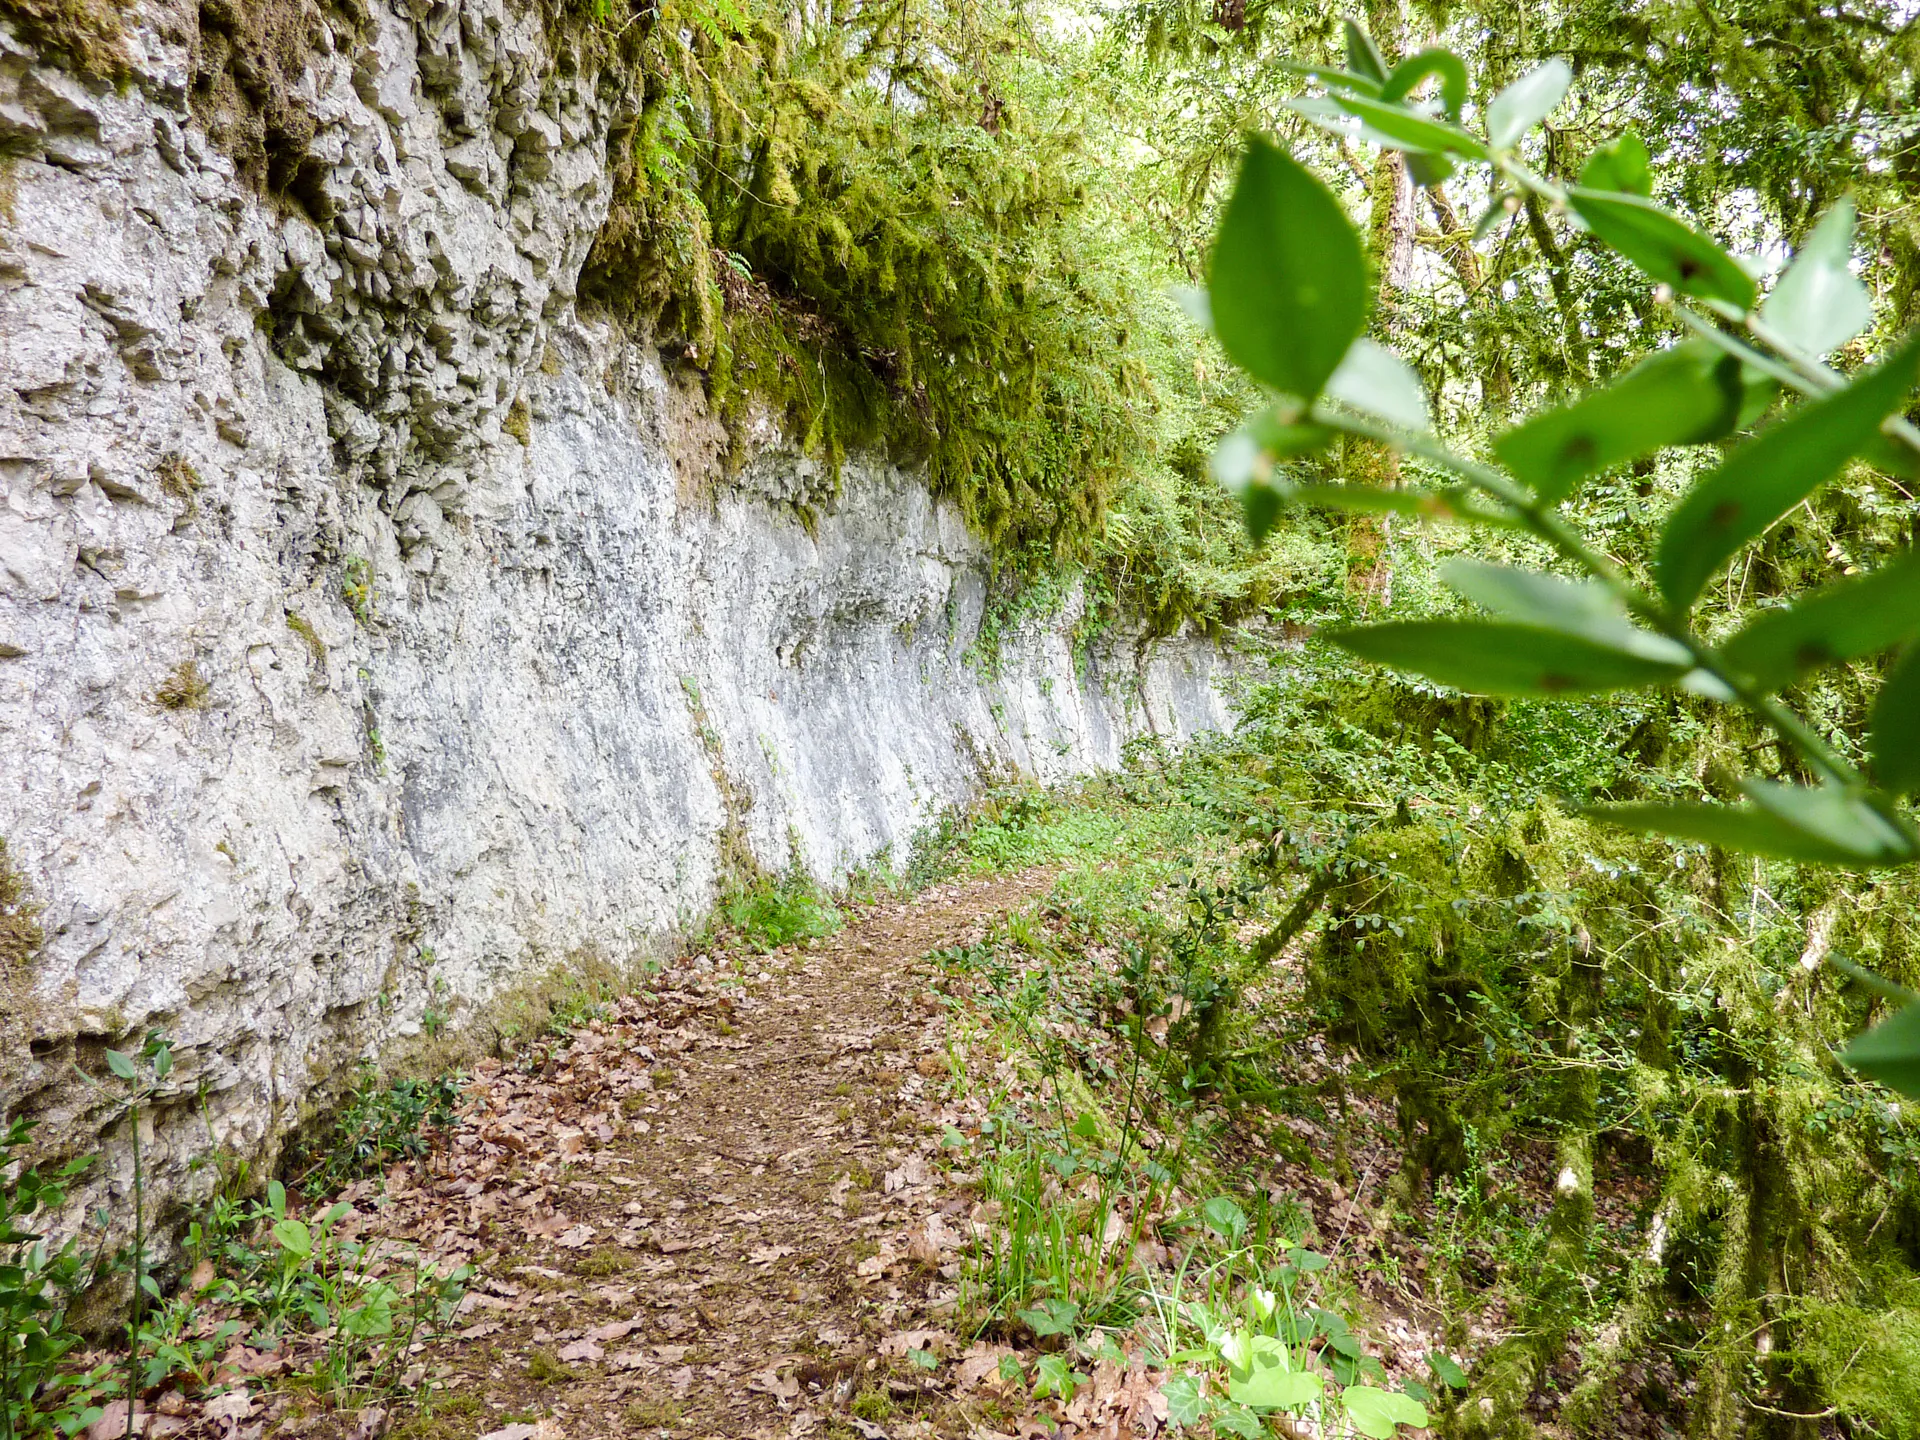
(715, 1212)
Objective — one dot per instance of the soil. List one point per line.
(719, 1212)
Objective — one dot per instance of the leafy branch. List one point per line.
(1288, 300)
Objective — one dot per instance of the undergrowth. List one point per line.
(1586, 1083)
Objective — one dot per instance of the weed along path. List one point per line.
(715, 1211)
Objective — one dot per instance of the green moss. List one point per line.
(519, 421)
(303, 627)
(1864, 1362)
(88, 33)
(20, 934)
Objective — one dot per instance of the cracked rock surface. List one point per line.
(377, 631)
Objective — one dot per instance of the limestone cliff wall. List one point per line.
(376, 630)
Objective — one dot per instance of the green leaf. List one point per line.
(1665, 246)
(1840, 622)
(1687, 395)
(1890, 1052)
(1584, 608)
(1621, 165)
(1526, 102)
(1377, 1412)
(1182, 1394)
(1503, 659)
(1272, 1386)
(1747, 828)
(1447, 1370)
(1836, 815)
(1896, 726)
(1392, 126)
(1363, 56)
(1225, 1217)
(1773, 472)
(1051, 1317)
(1238, 1420)
(1408, 74)
(1819, 304)
(293, 1237)
(1373, 380)
(122, 1065)
(1288, 280)
(1052, 1375)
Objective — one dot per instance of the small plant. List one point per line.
(35, 1284)
(156, 1057)
(1240, 1310)
(382, 1124)
(356, 587)
(770, 914)
(179, 479)
(184, 689)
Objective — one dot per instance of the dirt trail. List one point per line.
(713, 1213)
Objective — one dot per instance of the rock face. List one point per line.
(376, 631)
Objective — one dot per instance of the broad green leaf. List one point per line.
(1331, 77)
(293, 1237)
(1819, 304)
(1665, 246)
(1377, 1412)
(1526, 102)
(1309, 1261)
(1621, 165)
(1890, 1052)
(1051, 1317)
(1373, 380)
(1363, 56)
(1504, 659)
(1584, 608)
(1428, 171)
(1687, 395)
(1447, 1370)
(1835, 815)
(1745, 828)
(1224, 1216)
(1288, 282)
(1269, 1386)
(1238, 1420)
(1052, 1375)
(1896, 726)
(121, 1064)
(1408, 74)
(1773, 472)
(1182, 1394)
(1393, 126)
(1843, 621)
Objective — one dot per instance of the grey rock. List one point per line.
(477, 706)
